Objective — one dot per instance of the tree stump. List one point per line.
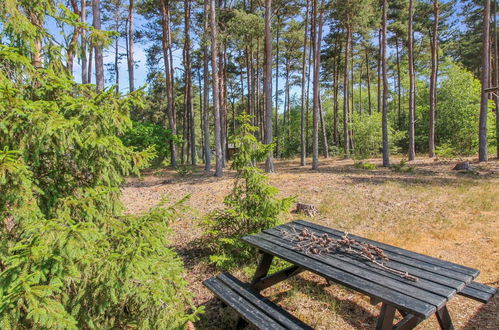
(307, 209)
(463, 166)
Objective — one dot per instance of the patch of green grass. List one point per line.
(402, 167)
(365, 166)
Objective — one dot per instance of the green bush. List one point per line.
(69, 258)
(445, 150)
(251, 207)
(144, 135)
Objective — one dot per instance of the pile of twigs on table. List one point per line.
(311, 243)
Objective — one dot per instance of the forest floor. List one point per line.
(432, 210)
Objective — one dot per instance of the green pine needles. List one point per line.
(69, 258)
(251, 207)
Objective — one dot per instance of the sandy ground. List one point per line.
(431, 210)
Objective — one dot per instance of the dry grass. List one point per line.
(432, 210)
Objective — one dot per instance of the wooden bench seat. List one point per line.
(252, 306)
(479, 292)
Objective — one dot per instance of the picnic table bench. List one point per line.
(438, 281)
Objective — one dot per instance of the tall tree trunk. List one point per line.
(316, 91)
(346, 93)
(482, 148)
(309, 71)
(83, 18)
(379, 95)
(74, 39)
(216, 101)
(116, 63)
(303, 151)
(269, 164)
(384, 124)
(188, 80)
(336, 88)
(433, 81)
(165, 42)
(323, 130)
(368, 81)
(412, 86)
(90, 58)
(206, 91)
(496, 75)
(36, 57)
(399, 91)
(99, 59)
(130, 60)
(276, 122)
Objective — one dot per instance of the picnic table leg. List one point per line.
(386, 316)
(263, 267)
(444, 319)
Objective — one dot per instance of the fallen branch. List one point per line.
(310, 243)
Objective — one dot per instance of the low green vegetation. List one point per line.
(251, 207)
(402, 167)
(365, 165)
(69, 258)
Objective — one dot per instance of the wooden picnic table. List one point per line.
(438, 281)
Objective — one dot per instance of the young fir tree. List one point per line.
(251, 207)
(69, 258)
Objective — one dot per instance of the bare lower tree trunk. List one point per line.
(379, 105)
(399, 91)
(165, 41)
(216, 101)
(116, 64)
(368, 73)
(323, 130)
(346, 93)
(276, 123)
(73, 44)
(188, 81)
(412, 87)
(99, 59)
(496, 75)
(269, 164)
(316, 91)
(206, 92)
(303, 149)
(90, 58)
(130, 60)
(83, 18)
(482, 147)
(433, 81)
(386, 150)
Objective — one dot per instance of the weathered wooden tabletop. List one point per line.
(437, 280)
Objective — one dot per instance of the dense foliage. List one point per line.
(69, 258)
(251, 207)
(144, 135)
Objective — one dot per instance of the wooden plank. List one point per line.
(482, 287)
(417, 256)
(368, 273)
(443, 281)
(275, 312)
(241, 305)
(361, 285)
(277, 277)
(423, 283)
(475, 294)
(405, 260)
